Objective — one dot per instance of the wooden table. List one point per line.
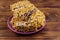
(51, 9)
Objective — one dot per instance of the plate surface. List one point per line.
(11, 27)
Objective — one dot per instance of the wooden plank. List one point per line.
(49, 12)
(8, 13)
(18, 38)
(47, 34)
(52, 29)
(46, 3)
(3, 18)
(38, 3)
(52, 14)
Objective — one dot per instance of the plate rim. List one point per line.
(10, 27)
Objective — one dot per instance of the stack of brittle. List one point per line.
(26, 17)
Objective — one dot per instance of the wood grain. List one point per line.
(51, 29)
(51, 9)
(49, 12)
